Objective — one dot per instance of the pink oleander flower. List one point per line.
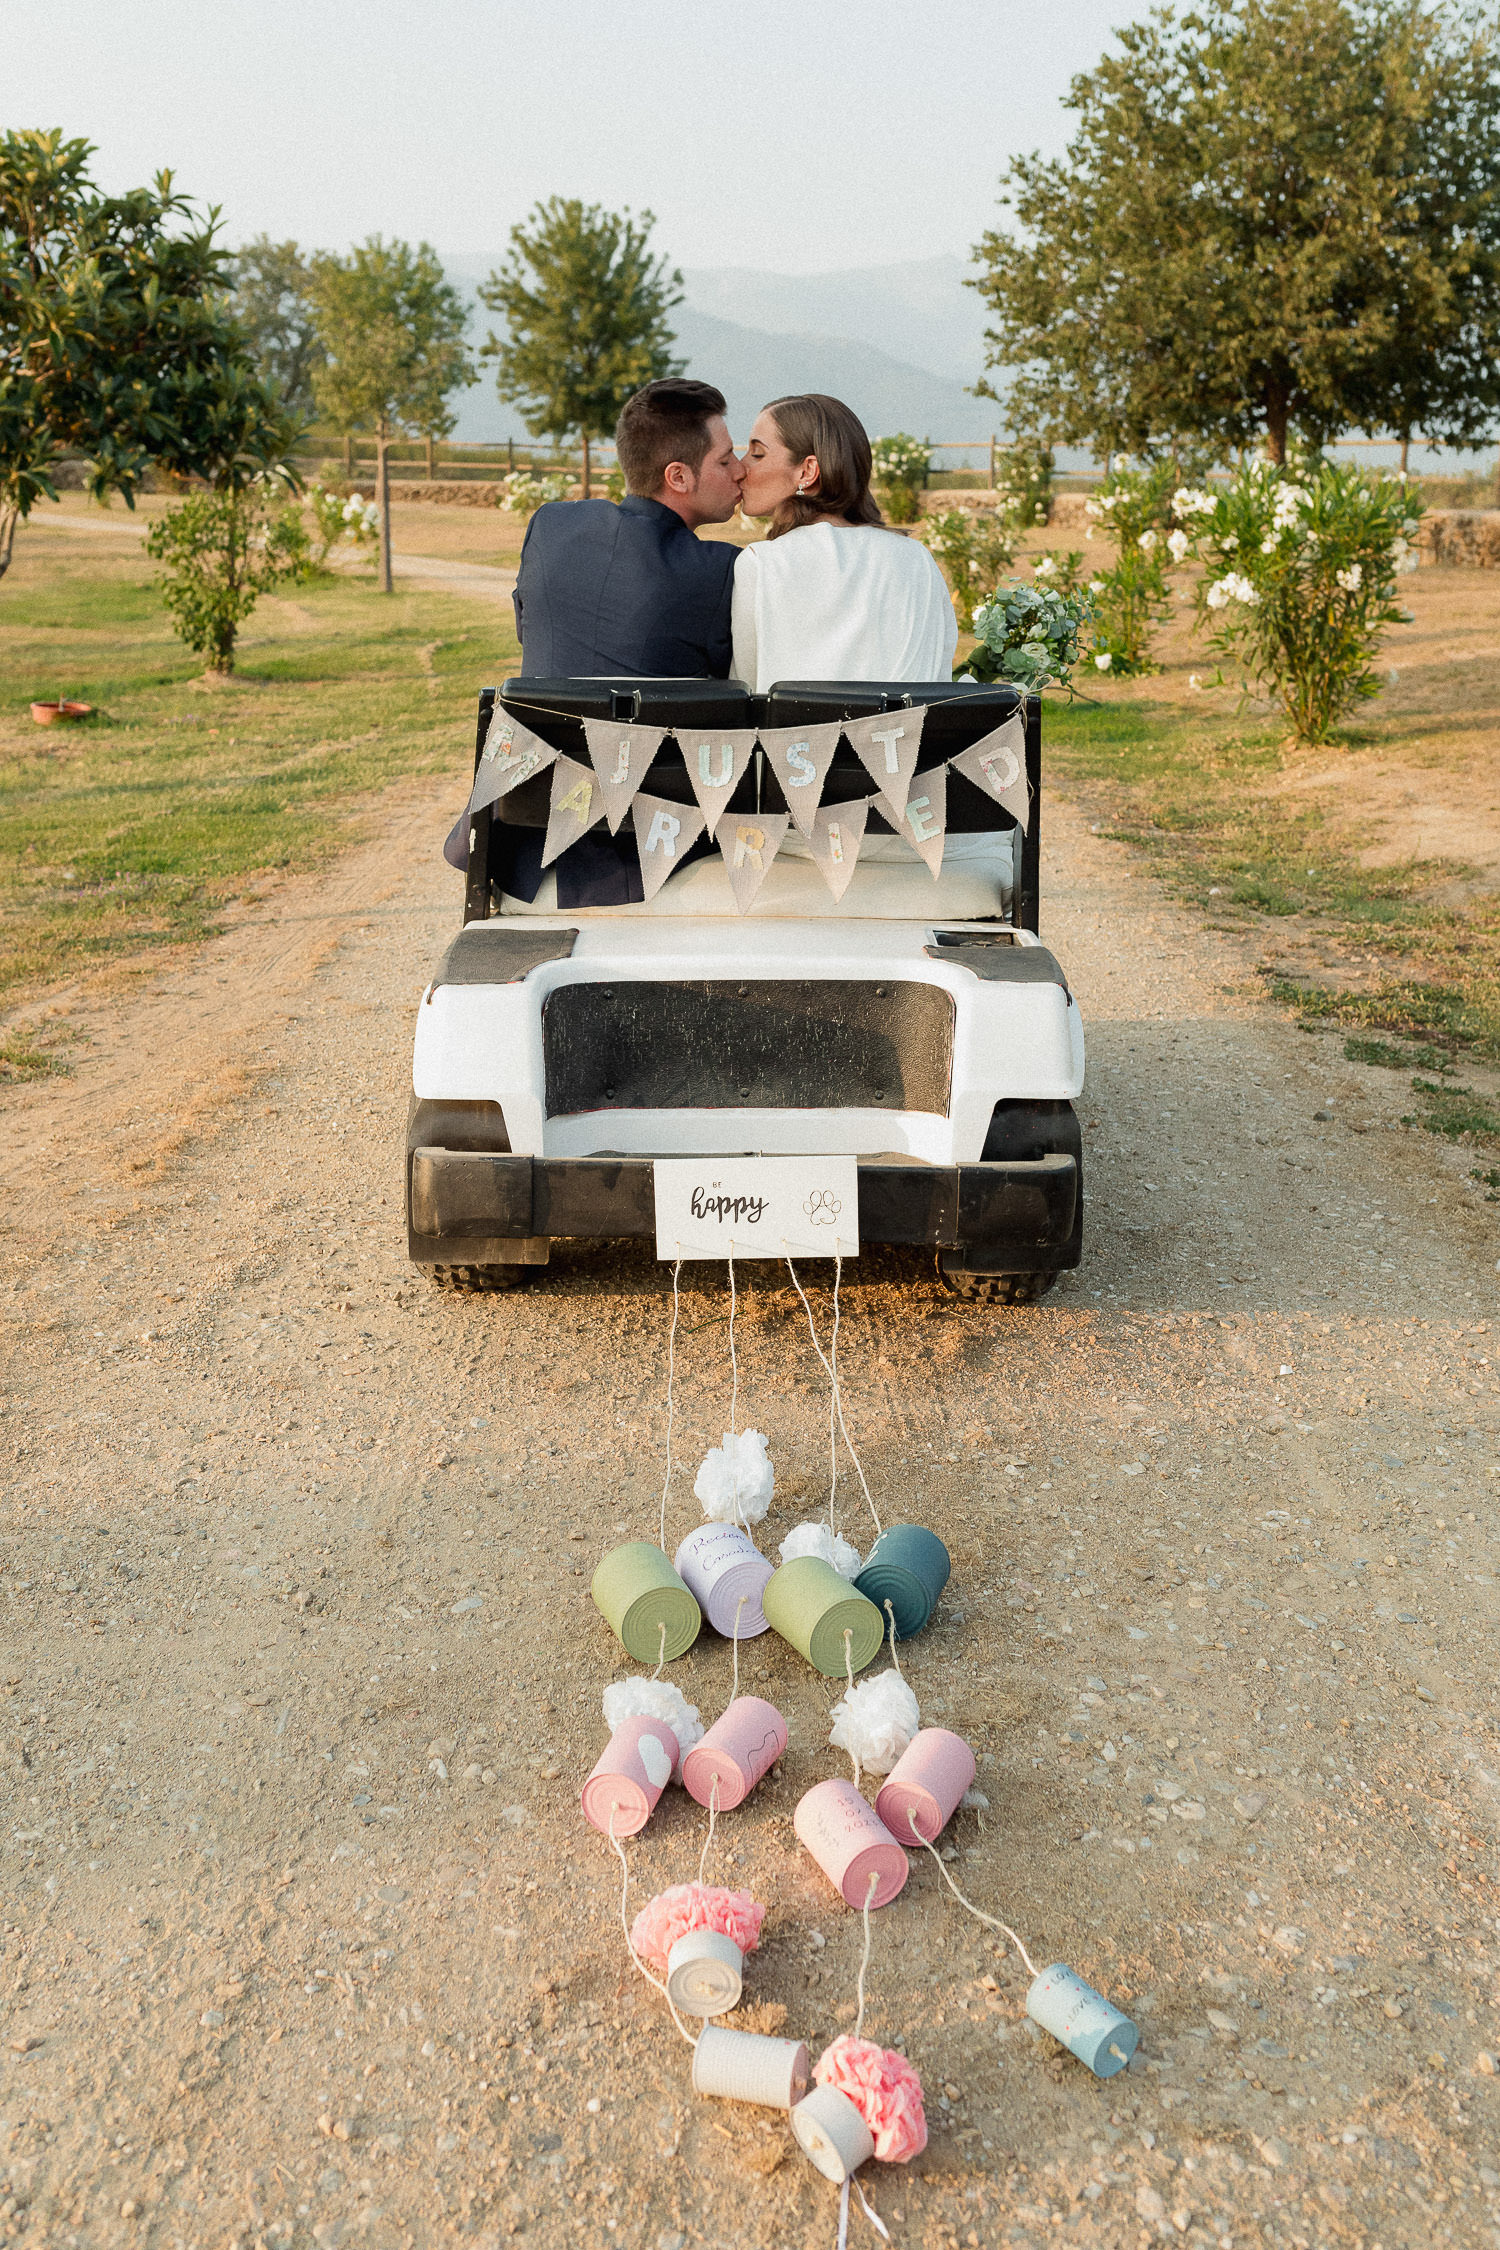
(884, 2089)
(695, 1906)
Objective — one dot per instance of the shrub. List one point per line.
(900, 470)
(1023, 477)
(1029, 634)
(339, 519)
(973, 545)
(521, 493)
(1135, 504)
(220, 552)
(1300, 567)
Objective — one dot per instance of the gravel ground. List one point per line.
(304, 1939)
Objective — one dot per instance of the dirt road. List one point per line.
(304, 1939)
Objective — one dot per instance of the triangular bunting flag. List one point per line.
(577, 802)
(621, 753)
(837, 833)
(511, 755)
(925, 820)
(800, 758)
(663, 834)
(997, 765)
(887, 744)
(716, 764)
(749, 842)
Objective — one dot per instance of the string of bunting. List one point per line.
(620, 753)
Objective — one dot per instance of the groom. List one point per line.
(606, 589)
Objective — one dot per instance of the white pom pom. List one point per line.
(973, 1800)
(875, 1721)
(817, 1539)
(655, 1699)
(735, 1482)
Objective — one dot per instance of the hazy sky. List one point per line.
(800, 135)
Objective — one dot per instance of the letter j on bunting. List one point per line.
(577, 802)
(664, 833)
(620, 753)
(758, 1206)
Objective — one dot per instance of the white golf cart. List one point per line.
(575, 1029)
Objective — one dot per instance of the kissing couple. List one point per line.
(830, 592)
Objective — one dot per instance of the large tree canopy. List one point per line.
(585, 306)
(273, 304)
(116, 342)
(1275, 215)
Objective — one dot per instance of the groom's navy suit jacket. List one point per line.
(621, 589)
(610, 589)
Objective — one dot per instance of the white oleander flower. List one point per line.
(1189, 500)
(1269, 544)
(1103, 663)
(1177, 545)
(1231, 588)
(1351, 579)
(1046, 567)
(1096, 585)
(1148, 542)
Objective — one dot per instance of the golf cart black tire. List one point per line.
(994, 1288)
(474, 1281)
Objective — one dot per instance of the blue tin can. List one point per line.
(908, 1567)
(1088, 2025)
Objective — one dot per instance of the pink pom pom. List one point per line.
(694, 1906)
(884, 2089)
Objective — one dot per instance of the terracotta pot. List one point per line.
(49, 714)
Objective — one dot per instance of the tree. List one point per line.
(585, 307)
(1275, 214)
(115, 339)
(272, 302)
(392, 331)
(221, 551)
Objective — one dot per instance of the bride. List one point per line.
(830, 593)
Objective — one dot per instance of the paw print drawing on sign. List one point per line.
(823, 1207)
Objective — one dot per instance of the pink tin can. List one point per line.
(737, 1751)
(850, 1843)
(928, 1780)
(631, 1775)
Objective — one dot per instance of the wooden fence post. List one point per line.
(992, 460)
(429, 460)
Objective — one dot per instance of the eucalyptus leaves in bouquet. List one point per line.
(973, 546)
(1300, 563)
(899, 470)
(1031, 635)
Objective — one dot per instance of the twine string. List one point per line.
(830, 1361)
(864, 1960)
(619, 1851)
(833, 1434)
(849, 1675)
(713, 1816)
(661, 1537)
(838, 1396)
(734, 1365)
(977, 1912)
(891, 1621)
(662, 1659)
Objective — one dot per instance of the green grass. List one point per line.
(1196, 795)
(1384, 1056)
(135, 829)
(1457, 1112)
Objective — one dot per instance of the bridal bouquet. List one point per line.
(1029, 634)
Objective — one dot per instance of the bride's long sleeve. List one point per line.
(744, 604)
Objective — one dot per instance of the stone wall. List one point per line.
(1461, 538)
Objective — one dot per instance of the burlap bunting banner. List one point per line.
(511, 755)
(577, 802)
(749, 842)
(887, 747)
(924, 822)
(716, 764)
(663, 834)
(800, 758)
(621, 753)
(997, 765)
(837, 833)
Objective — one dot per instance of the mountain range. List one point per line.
(901, 344)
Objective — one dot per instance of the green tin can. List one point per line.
(908, 1567)
(638, 1592)
(810, 1606)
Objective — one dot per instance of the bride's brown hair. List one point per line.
(826, 428)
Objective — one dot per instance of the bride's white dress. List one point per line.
(840, 602)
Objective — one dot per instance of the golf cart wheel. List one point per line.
(994, 1288)
(471, 1281)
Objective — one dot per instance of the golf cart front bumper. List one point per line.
(474, 1207)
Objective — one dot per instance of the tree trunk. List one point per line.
(383, 472)
(1405, 447)
(585, 464)
(7, 536)
(1277, 417)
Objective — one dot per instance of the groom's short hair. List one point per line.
(667, 421)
